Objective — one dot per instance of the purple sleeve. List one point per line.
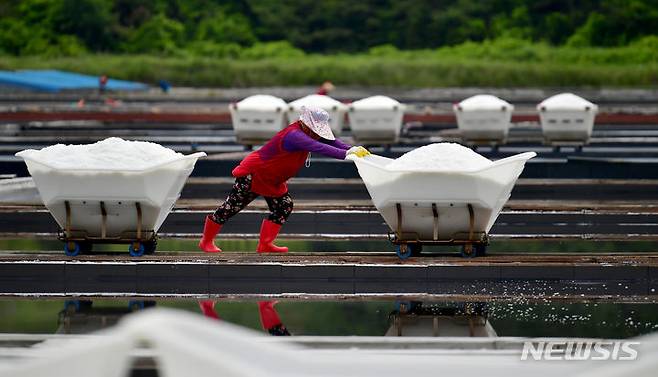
(338, 143)
(299, 141)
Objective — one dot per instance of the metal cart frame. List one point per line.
(410, 244)
(76, 241)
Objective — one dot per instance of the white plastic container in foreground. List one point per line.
(483, 118)
(376, 119)
(156, 189)
(257, 118)
(567, 117)
(487, 190)
(335, 109)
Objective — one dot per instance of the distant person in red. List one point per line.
(266, 172)
(102, 84)
(269, 318)
(325, 88)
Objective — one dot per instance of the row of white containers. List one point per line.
(376, 119)
(564, 117)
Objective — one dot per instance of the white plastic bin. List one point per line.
(156, 189)
(451, 192)
(19, 191)
(376, 119)
(567, 117)
(257, 118)
(483, 118)
(335, 109)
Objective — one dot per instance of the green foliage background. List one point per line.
(370, 42)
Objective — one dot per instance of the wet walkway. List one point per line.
(610, 277)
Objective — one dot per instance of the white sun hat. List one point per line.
(318, 121)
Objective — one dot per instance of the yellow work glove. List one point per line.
(358, 151)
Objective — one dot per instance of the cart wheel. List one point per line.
(135, 305)
(405, 307)
(468, 251)
(149, 247)
(480, 250)
(71, 248)
(136, 249)
(403, 250)
(71, 306)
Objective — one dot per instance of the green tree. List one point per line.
(515, 25)
(90, 20)
(556, 28)
(14, 35)
(158, 35)
(224, 28)
(133, 13)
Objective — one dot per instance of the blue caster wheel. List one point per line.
(135, 305)
(468, 251)
(403, 251)
(136, 249)
(71, 248)
(76, 306)
(72, 306)
(405, 307)
(407, 250)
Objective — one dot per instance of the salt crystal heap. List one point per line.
(483, 102)
(375, 103)
(440, 157)
(566, 101)
(262, 102)
(316, 100)
(110, 154)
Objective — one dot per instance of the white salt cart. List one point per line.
(376, 119)
(335, 109)
(567, 119)
(439, 207)
(257, 118)
(483, 119)
(110, 205)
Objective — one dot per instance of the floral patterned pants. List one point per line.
(241, 195)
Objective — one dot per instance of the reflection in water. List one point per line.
(410, 318)
(269, 318)
(525, 318)
(81, 317)
(413, 318)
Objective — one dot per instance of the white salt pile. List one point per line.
(261, 102)
(109, 154)
(375, 103)
(440, 157)
(566, 101)
(483, 102)
(316, 100)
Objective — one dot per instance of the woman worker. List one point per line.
(266, 171)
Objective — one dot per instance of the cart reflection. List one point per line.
(414, 318)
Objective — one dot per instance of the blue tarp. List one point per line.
(55, 81)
